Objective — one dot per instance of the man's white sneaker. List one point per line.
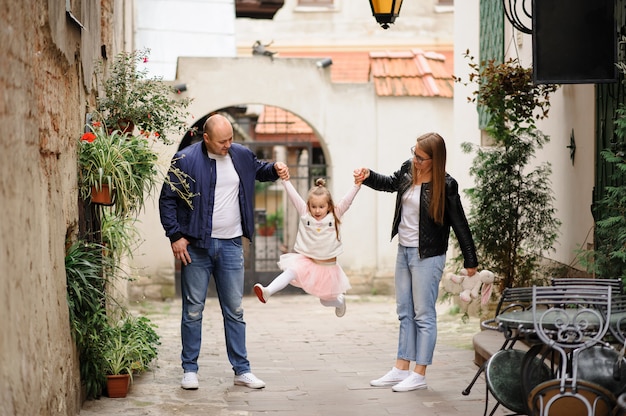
(190, 381)
(261, 292)
(249, 380)
(394, 376)
(413, 382)
(341, 310)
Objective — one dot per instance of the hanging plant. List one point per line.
(125, 164)
(128, 98)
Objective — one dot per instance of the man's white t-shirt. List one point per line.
(226, 214)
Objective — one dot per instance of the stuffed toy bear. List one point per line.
(471, 285)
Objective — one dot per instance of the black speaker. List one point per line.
(574, 41)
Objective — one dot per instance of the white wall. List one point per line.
(399, 122)
(173, 28)
(350, 23)
(465, 120)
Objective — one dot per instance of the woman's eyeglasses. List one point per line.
(419, 159)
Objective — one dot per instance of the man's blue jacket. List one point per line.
(181, 220)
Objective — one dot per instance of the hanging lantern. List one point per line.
(385, 11)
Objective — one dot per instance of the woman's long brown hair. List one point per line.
(435, 147)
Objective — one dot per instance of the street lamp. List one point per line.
(385, 11)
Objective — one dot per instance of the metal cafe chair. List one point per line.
(616, 284)
(512, 298)
(511, 374)
(570, 320)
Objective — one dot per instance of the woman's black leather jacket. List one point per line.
(433, 238)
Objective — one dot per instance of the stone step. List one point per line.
(488, 342)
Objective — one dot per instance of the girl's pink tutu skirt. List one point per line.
(326, 281)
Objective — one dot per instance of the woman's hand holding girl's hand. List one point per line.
(360, 175)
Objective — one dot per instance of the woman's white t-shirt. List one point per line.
(408, 230)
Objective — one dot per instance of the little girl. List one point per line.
(313, 267)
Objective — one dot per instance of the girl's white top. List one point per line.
(318, 239)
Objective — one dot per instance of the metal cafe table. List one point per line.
(513, 374)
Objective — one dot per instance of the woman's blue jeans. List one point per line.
(224, 260)
(417, 287)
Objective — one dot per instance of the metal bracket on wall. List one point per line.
(572, 146)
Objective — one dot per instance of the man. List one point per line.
(206, 236)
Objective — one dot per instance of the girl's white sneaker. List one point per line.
(341, 310)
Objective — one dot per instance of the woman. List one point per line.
(427, 205)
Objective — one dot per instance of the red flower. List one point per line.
(145, 59)
(96, 124)
(156, 134)
(88, 137)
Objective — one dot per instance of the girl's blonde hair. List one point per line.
(320, 190)
(435, 147)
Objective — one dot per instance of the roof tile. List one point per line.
(412, 72)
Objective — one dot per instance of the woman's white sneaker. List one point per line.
(413, 382)
(394, 376)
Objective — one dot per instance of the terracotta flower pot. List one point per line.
(267, 230)
(102, 196)
(117, 385)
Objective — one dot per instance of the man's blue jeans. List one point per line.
(417, 287)
(223, 260)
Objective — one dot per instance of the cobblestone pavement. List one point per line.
(314, 364)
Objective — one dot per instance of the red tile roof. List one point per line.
(411, 73)
(276, 124)
(394, 73)
(276, 120)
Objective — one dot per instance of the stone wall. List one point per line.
(46, 69)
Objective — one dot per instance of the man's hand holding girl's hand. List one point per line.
(282, 170)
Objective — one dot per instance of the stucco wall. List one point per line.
(45, 61)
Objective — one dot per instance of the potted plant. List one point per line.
(124, 165)
(128, 347)
(129, 99)
(273, 222)
(512, 215)
(118, 362)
